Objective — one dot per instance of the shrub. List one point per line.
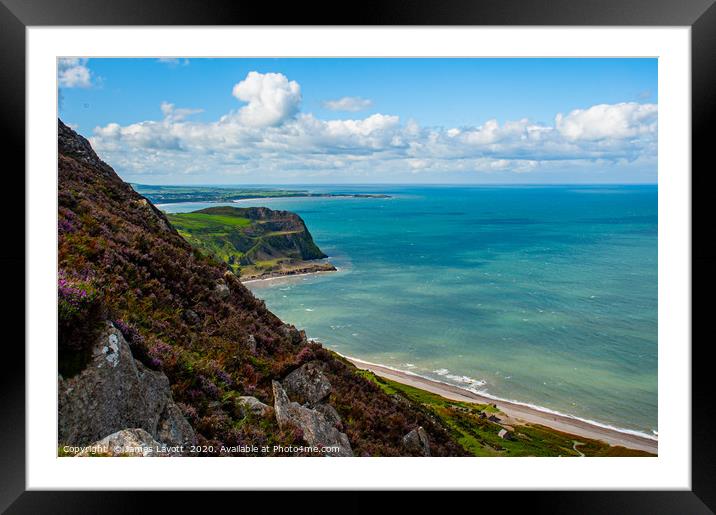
(80, 315)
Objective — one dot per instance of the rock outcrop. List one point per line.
(127, 442)
(72, 144)
(254, 405)
(222, 289)
(330, 414)
(115, 392)
(417, 441)
(307, 384)
(316, 429)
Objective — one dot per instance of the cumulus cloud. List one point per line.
(604, 121)
(271, 99)
(269, 135)
(72, 72)
(350, 104)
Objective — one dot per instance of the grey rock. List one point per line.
(307, 384)
(72, 144)
(222, 290)
(191, 317)
(173, 428)
(417, 441)
(115, 392)
(254, 405)
(296, 337)
(127, 442)
(315, 428)
(251, 343)
(330, 414)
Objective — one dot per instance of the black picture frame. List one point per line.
(700, 15)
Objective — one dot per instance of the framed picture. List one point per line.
(447, 246)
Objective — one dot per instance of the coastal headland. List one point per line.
(255, 242)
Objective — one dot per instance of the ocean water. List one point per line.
(542, 295)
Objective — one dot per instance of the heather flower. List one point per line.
(304, 355)
(74, 294)
(208, 386)
(189, 411)
(129, 332)
(224, 377)
(65, 226)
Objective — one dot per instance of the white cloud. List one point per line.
(350, 104)
(73, 72)
(174, 114)
(271, 99)
(269, 137)
(616, 121)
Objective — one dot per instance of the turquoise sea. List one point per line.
(543, 295)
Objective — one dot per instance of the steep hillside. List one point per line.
(207, 351)
(255, 242)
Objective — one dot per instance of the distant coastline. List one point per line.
(267, 197)
(159, 195)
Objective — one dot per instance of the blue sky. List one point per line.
(282, 121)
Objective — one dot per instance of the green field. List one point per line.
(202, 222)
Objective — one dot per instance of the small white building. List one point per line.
(503, 433)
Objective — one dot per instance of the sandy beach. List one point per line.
(516, 413)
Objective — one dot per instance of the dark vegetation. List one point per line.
(120, 259)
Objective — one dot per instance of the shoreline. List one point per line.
(519, 413)
(165, 202)
(286, 276)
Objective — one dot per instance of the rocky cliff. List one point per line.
(160, 344)
(254, 241)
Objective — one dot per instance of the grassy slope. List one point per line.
(479, 436)
(210, 234)
(229, 235)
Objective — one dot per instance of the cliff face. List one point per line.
(202, 353)
(252, 241)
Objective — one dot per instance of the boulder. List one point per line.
(221, 289)
(173, 429)
(254, 405)
(417, 441)
(127, 442)
(115, 392)
(317, 431)
(295, 336)
(251, 343)
(307, 384)
(330, 414)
